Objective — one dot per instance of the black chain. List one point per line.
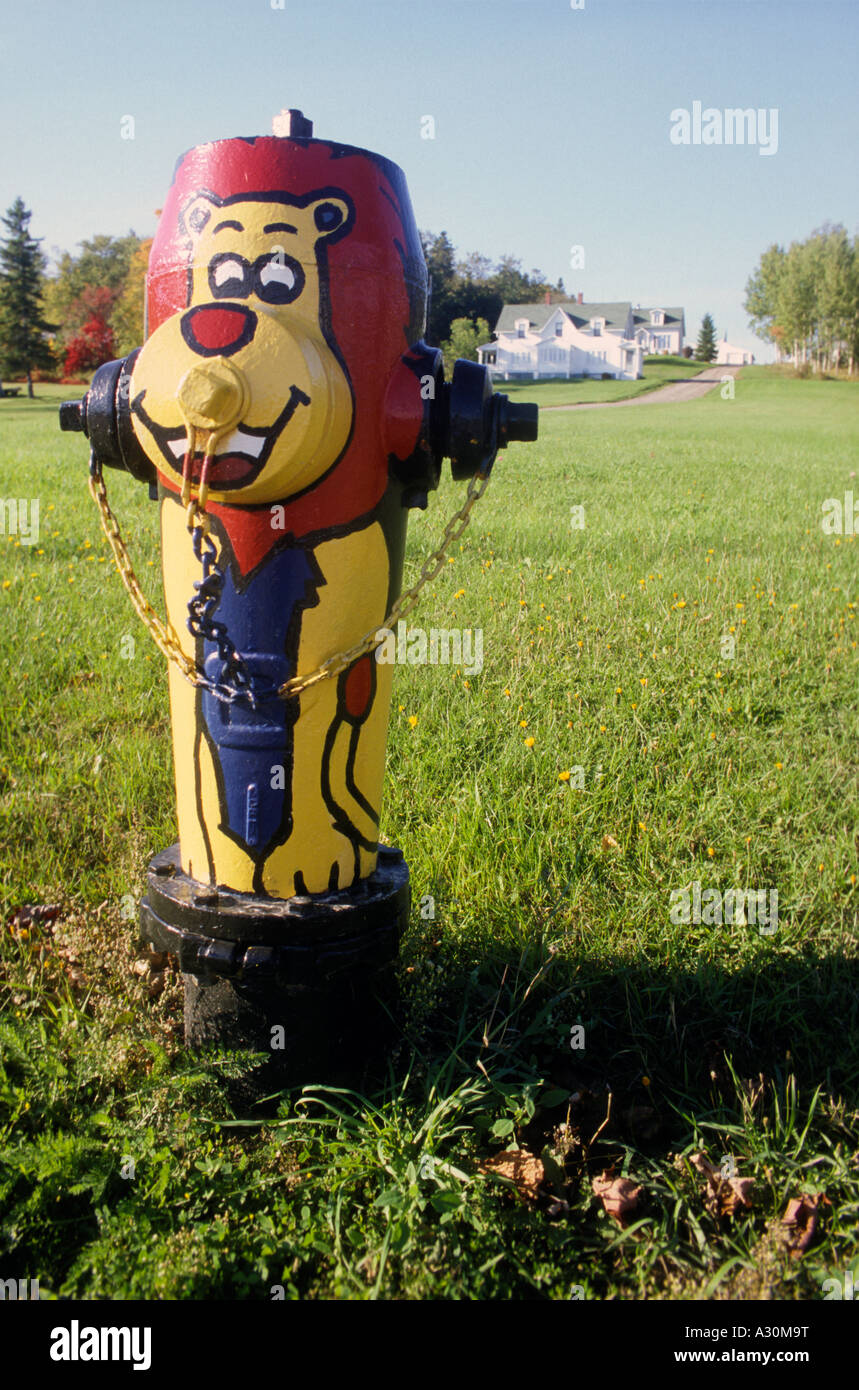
(238, 681)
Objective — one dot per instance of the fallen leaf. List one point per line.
(739, 1195)
(608, 842)
(619, 1196)
(30, 915)
(724, 1195)
(801, 1215)
(523, 1169)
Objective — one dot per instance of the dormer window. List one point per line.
(596, 327)
(521, 327)
(657, 317)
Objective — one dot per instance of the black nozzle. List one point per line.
(73, 416)
(104, 416)
(480, 423)
(516, 421)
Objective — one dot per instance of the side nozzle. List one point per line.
(104, 416)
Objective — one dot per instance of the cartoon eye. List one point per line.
(278, 279)
(229, 276)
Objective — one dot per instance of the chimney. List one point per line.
(548, 296)
(580, 299)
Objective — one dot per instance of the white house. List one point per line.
(659, 330)
(567, 339)
(730, 356)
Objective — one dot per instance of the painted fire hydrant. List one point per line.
(286, 414)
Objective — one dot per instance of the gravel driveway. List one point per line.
(688, 390)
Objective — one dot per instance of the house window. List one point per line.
(657, 317)
(521, 326)
(559, 328)
(597, 327)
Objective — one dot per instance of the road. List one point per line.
(688, 390)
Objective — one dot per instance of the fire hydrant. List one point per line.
(286, 414)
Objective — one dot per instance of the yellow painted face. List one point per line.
(247, 363)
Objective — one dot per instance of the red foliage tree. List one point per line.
(93, 343)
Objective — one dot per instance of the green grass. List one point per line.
(658, 371)
(608, 643)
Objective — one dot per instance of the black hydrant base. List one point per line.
(307, 980)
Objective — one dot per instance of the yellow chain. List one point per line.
(164, 635)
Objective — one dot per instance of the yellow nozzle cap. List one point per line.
(213, 395)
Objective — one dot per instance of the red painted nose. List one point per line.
(213, 330)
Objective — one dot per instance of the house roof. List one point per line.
(538, 315)
(641, 317)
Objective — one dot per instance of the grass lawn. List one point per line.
(658, 371)
(690, 658)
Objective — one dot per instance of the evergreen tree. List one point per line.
(705, 350)
(473, 288)
(23, 343)
(441, 265)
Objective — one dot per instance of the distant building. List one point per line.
(730, 356)
(569, 339)
(659, 331)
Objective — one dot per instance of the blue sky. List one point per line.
(551, 123)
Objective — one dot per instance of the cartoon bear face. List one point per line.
(250, 362)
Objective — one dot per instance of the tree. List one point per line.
(23, 330)
(440, 258)
(466, 336)
(705, 349)
(473, 288)
(762, 289)
(128, 318)
(806, 299)
(102, 263)
(93, 343)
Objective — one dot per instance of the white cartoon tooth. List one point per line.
(239, 442)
